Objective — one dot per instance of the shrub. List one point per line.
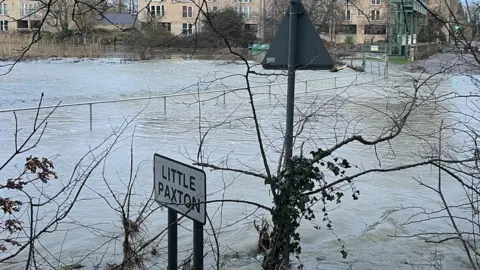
(349, 40)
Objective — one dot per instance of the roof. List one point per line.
(119, 19)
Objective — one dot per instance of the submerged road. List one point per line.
(454, 63)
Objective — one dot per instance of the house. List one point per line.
(362, 20)
(181, 17)
(19, 15)
(365, 20)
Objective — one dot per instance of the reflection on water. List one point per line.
(176, 135)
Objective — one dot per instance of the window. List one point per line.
(348, 15)
(251, 27)
(187, 28)
(211, 0)
(375, 15)
(245, 1)
(347, 29)
(246, 11)
(167, 26)
(3, 9)
(28, 9)
(376, 2)
(375, 29)
(323, 28)
(187, 12)
(3, 26)
(157, 11)
(212, 9)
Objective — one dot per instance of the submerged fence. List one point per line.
(375, 70)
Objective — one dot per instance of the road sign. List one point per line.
(310, 52)
(180, 187)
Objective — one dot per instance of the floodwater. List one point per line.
(360, 225)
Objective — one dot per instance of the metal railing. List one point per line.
(375, 48)
(224, 92)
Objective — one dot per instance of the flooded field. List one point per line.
(175, 131)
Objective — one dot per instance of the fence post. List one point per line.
(91, 117)
(269, 90)
(386, 66)
(223, 97)
(306, 87)
(335, 82)
(164, 105)
(356, 79)
(378, 67)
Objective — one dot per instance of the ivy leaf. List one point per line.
(345, 164)
(344, 254)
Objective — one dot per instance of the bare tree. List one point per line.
(321, 175)
(326, 15)
(455, 186)
(317, 174)
(43, 201)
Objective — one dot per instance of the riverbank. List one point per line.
(100, 45)
(391, 60)
(49, 50)
(14, 47)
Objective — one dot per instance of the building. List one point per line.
(336, 21)
(358, 21)
(447, 11)
(19, 15)
(362, 21)
(26, 15)
(366, 20)
(177, 16)
(180, 16)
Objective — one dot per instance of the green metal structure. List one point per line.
(403, 24)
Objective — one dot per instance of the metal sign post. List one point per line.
(296, 44)
(292, 35)
(197, 245)
(172, 239)
(182, 189)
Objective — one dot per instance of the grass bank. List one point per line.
(392, 60)
(398, 60)
(13, 46)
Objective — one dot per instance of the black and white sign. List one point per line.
(180, 187)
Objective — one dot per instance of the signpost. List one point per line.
(296, 45)
(182, 189)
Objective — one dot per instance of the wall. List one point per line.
(425, 50)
